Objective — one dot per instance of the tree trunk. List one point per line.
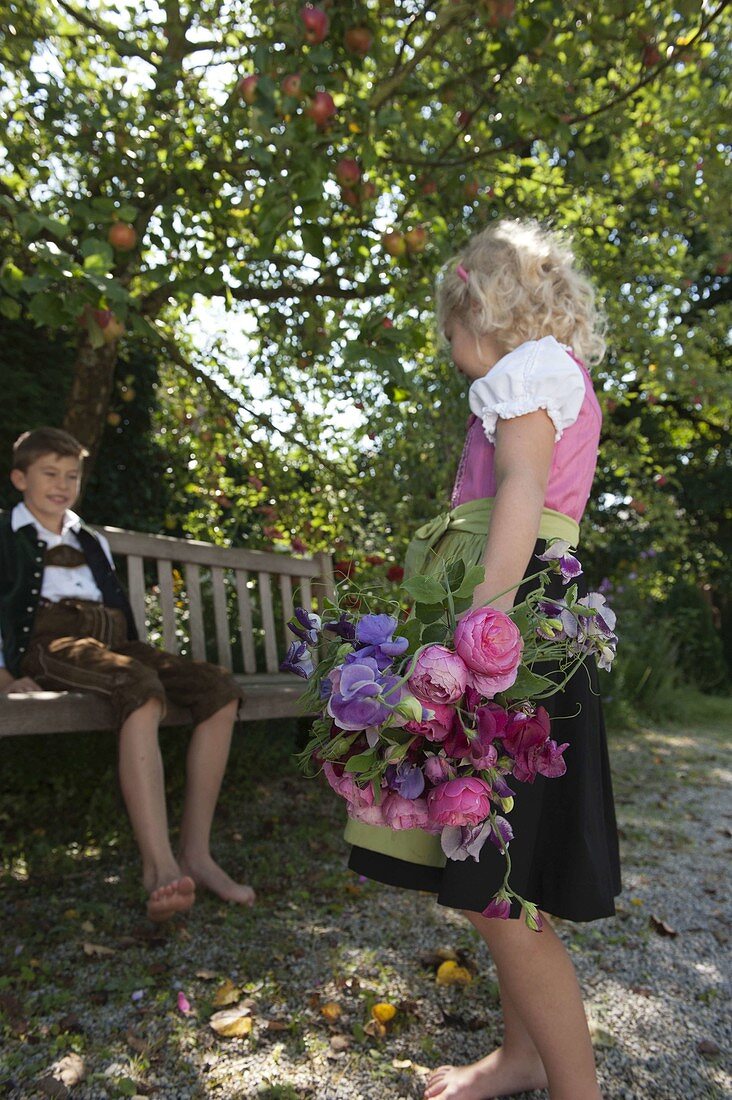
(88, 402)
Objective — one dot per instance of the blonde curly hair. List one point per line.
(522, 284)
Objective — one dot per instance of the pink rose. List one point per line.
(490, 644)
(439, 675)
(435, 728)
(404, 813)
(464, 801)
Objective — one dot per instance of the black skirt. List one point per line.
(564, 853)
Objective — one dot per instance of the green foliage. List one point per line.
(317, 372)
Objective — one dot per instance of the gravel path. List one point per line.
(322, 948)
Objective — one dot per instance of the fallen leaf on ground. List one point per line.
(87, 926)
(339, 1043)
(600, 1037)
(97, 950)
(661, 927)
(138, 1044)
(383, 1012)
(375, 1029)
(449, 973)
(331, 1010)
(706, 1046)
(207, 975)
(232, 1023)
(226, 994)
(277, 1025)
(71, 1022)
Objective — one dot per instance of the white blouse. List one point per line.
(539, 374)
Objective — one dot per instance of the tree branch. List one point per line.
(109, 33)
(230, 403)
(391, 85)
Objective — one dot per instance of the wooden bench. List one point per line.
(209, 602)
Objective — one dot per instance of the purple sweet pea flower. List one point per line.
(461, 841)
(307, 626)
(569, 566)
(501, 833)
(356, 700)
(343, 627)
(406, 779)
(501, 787)
(437, 769)
(498, 907)
(298, 660)
(374, 637)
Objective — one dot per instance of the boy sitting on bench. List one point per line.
(66, 625)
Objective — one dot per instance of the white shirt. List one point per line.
(539, 374)
(60, 582)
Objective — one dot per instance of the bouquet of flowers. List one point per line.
(422, 720)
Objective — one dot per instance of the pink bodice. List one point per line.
(573, 464)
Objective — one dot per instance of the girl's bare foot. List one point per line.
(496, 1075)
(170, 898)
(206, 872)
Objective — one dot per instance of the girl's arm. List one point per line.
(524, 451)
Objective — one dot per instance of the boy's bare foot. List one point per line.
(493, 1076)
(206, 872)
(171, 898)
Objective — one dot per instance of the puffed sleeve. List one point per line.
(539, 374)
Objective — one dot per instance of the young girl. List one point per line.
(521, 323)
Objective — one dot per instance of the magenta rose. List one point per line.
(490, 644)
(404, 813)
(463, 801)
(435, 728)
(439, 676)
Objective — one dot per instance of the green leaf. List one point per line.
(436, 632)
(361, 763)
(11, 278)
(98, 256)
(527, 685)
(473, 577)
(429, 612)
(412, 631)
(424, 589)
(10, 308)
(47, 309)
(455, 574)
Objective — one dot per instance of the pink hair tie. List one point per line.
(461, 273)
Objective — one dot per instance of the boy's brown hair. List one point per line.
(30, 446)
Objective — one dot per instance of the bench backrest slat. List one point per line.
(270, 642)
(286, 601)
(167, 605)
(221, 619)
(192, 574)
(136, 586)
(246, 626)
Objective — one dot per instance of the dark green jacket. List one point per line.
(21, 580)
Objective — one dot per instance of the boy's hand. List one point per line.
(24, 684)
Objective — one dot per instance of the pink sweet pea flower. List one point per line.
(524, 731)
(439, 676)
(490, 644)
(463, 801)
(498, 907)
(404, 813)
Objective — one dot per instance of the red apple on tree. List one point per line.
(358, 40)
(292, 85)
(248, 88)
(416, 239)
(322, 108)
(315, 22)
(394, 243)
(651, 55)
(122, 236)
(349, 197)
(112, 328)
(472, 189)
(661, 480)
(348, 171)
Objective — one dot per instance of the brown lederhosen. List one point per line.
(80, 645)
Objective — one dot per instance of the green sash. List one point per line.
(459, 533)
